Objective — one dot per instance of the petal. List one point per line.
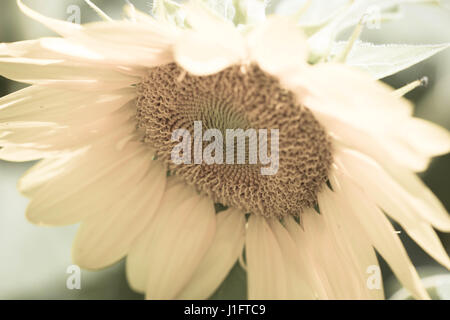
(298, 284)
(424, 136)
(266, 271)
(366, 119)
(214, 44)
(308, 252)
(36, 104)
(17, 154)
(44, 171)
(49, 48)
(200, 56)
(105, 237)
(165, 257)
(59, 73)
(278, 45)
(332, 260)
(381, 148)
(73, 133)
(181, 241)
(85, 185)
(353, 242)
(129, 43)
(321, 88)
(138, 259)
(381, 234)
(119, 42)
(59, 26)
(395, 201)
(274, 268)
(433, 210)
(332, 81)
(224, 251)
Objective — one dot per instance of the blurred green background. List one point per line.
(33, 260)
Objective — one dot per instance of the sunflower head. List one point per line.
(169, 99)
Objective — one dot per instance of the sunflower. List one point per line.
(105, 99)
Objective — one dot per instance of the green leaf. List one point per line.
(384, 60)
(348, 16)
(224, 8)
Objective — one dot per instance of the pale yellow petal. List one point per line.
(307, 251)
(266, 272)
(278, 46)
(227, 246)
(332, 261)
(70, 135)
(138, 259)
(381, 234)
(299, 286)
(59, 73)
(200, 56)
(86, 184)
(381, 148)
(353, 242)
(49, 48)
(17, 154)
(433, 210)
(394, 200)
(213, 45)
(59, 26)
(181, 238)
(164, 258)
(118, 42)
(366, 119)
(424, 136)
(60, 106)
(106, 236)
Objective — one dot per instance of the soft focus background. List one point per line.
(34, 260)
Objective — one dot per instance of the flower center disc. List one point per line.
(169, 99)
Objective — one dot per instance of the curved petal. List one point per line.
(166, 255)
(278, 45)
(424, 136)
(70, 134)
(273, 265)
(34, 104)
(381, 148)
(395, 201)
(299, 285)
(59, 73)
(434, 211)
(201, 56)
(105, 237)
(17, 154)
(84, 185)
(49, 48)
(213, 45)
(371, 110)
(138, 260)
(220, 258)
(381, 233)
(335, 264)
(353, 243)
(59, 26)
(117, 42)
(307, 250)
(266, 272)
